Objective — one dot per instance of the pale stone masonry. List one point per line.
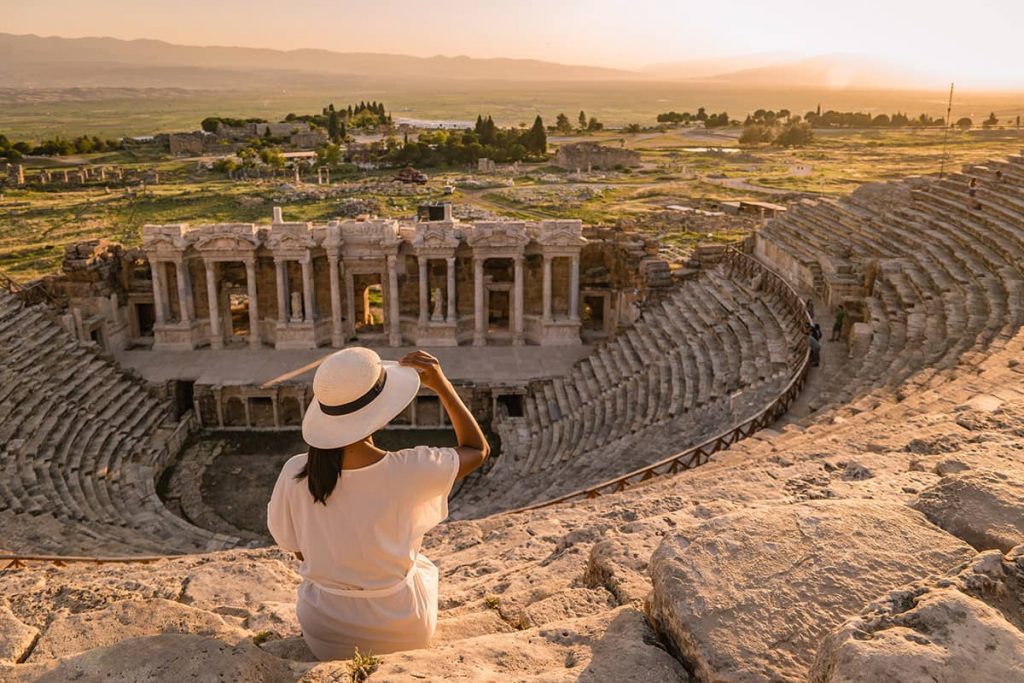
(304, 285)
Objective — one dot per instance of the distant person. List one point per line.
(815, 330)
(972, 190)
(810, 308)
(355, 515)
(815, 346)
(837, 326)
(999, 176)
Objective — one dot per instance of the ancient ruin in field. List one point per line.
(678, 495)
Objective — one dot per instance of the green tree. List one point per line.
(593, 124)
(991, 121)
(272, 156)
(227, 166)
(582, 118)
(562, 125)
(795, 135)
(333, 125)
(965, 123)
(633, 128)
(537, 138)
(756, 134)
(330, 155)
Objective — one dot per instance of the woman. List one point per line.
(355, 515)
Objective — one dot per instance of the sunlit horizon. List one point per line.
(930, 45)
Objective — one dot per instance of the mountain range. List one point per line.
(35, 62)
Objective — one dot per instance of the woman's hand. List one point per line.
(428, 367)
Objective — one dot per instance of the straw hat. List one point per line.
(355, 393)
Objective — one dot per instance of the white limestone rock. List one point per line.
(962, 628)
(748, 595)
(982, 506)
(611, 647)
(945, 637)
(72, 632)
(16, 638)
(168, 657)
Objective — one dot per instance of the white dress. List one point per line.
(365, 583)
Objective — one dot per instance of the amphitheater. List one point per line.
(678, 494)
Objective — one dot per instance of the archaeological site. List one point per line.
(675, 492)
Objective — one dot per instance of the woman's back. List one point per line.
(367, 534)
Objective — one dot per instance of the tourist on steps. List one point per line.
(814, 343)
(355, 515)
(837, 326)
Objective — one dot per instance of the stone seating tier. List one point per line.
(79, 446)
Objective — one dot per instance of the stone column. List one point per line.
(350, 302)
(479, 322)
(281, 274)
(395, 336)
(307, 289)
(213, 297)
(337, 335)
(184, 292)
(517, 303)
(254, 317)
(547, 288)
(155, 269)
(424, 294)
(452, 313)
(574, 287)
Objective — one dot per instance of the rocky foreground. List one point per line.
(879, 541)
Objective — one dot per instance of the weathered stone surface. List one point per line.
(983, 507)
(945, 637)
(612, 647)
(963, 628)
(71, 633)
(747, 596)
(16, 638)
(158, 658)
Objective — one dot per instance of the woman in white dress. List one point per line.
(355, 515)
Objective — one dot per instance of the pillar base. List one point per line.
(179, 336)
(479, 341)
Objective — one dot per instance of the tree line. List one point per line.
(461, 147)
(57, 146)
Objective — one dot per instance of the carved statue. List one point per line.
(296, 307)
(438, 314)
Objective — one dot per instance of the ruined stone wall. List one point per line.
(585, 156)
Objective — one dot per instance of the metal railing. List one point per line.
(20, 561)
(31, 293)
(772, 283)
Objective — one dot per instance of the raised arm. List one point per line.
(473, 448)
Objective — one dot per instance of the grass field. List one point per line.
(113, 112)
(36, 222)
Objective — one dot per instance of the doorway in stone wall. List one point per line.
(369, 303)
(499, 313)
(145, 315)
(238, 307)
(592, 316)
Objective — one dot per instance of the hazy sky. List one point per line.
(976, 43)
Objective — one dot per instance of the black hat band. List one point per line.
(361, 402)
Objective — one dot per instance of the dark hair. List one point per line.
(322, 469)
